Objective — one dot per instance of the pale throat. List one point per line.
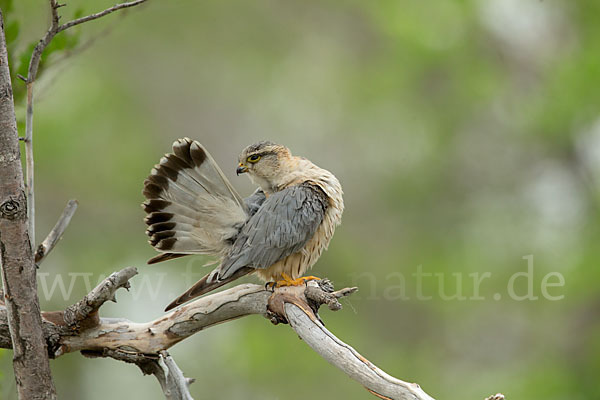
(288, 174)
(264, 183)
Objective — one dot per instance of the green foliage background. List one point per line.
(466, 135)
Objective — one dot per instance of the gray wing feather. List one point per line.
(254, 201)
(282, 225)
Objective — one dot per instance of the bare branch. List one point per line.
(142, 343)
(34, 64)
(55, 28)
(344, 357)
(298, 306)
(102, 293)
(30, 163)
(174, 384)
(173, 327)
(56, 233)
(36, 56)
(99, 14)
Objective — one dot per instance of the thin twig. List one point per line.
(56, 233)
(99, 14)
(30, 165)
(34, 64)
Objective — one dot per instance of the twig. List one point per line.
(30, 164)
(34, 64)
(99, 14)
(56, 233)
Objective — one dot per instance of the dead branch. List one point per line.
(80, 329)
(56, 233)
(344, 357)
(105, 291)
(174, 384)
(99, 14)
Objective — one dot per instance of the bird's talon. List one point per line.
(288, 281)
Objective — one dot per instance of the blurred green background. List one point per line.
(466, 135)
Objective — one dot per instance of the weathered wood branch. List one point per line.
(174, 384)
(344, 357)
(164, 332)
(80, 329)
(87, 308)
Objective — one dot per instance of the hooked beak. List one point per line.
(241, 169)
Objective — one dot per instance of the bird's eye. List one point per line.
(253, 158)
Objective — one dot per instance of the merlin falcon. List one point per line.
(278, 232)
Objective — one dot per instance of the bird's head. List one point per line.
(265, 163)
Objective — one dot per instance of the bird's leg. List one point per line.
(288, 281)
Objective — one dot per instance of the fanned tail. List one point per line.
(192, 208)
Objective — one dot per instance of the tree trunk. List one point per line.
(30, 355)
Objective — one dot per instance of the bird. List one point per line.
(277, 233)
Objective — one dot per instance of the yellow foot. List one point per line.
(287, 281)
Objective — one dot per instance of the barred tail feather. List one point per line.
(192, 208)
